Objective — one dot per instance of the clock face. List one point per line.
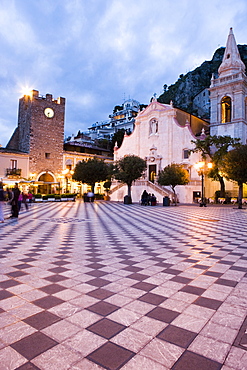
(49, 113)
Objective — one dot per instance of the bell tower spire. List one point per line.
(231, 62)
(228, 95)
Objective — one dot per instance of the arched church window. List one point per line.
(226, 108)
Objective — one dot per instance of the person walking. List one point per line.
(25, 199)
(14, 202)
(2, 200)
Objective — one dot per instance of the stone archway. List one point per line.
(47, 178)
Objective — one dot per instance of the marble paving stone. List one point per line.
(173, 334)
(10, 359)
(162, 352)
(210, 348)
(106, 328)
(131, 339)
(192, 361)
(144, 363)
(33, 345)
(111, 356)
(84, 342)
(58, 357)
(61, 330)
(83, 287)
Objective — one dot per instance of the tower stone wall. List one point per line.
(41, 131)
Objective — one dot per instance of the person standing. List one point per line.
(144, 198)
(90, 196)
(14, 203)
(2, 199)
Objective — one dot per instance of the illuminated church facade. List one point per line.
(163, 134)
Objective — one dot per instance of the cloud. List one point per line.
(93, 53)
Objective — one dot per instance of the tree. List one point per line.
(129, 169)
(91, 171)
(234, 167)
(172, 175)
(215, 147)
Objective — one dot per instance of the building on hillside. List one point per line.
(201, 104)
(36, 153)
(123, 117)
(162, 136)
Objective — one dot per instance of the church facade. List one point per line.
(163, 134)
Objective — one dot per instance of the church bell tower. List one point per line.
(228, 95)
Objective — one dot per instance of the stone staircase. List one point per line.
(163, 192)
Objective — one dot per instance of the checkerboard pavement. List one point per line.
(107, 286)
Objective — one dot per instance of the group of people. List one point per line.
(15, 198)
(148, 199)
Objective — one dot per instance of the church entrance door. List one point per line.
(152, 172)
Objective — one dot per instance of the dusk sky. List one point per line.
(95, 53)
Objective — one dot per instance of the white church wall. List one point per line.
(160, 140)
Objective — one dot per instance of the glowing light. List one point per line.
(27, 91)
(199, 165)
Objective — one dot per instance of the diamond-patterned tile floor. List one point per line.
(111, 286)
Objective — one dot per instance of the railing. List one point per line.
(159, 189)
(13, 172)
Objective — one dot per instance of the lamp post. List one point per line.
(201, 168)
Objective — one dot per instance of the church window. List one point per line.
(226, 107)
(186, 154)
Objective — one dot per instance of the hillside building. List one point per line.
(123, 117)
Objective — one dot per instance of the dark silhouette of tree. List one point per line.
(172, 175)
(91, 171)
(234, 167)
(128, 169)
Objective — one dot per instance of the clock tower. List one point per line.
(40, 133)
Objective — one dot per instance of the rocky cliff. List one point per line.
(183, 91)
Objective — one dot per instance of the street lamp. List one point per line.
(202, 168)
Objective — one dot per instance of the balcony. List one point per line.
(13, 172)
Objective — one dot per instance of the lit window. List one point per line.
(13, 163)
(226, 107)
